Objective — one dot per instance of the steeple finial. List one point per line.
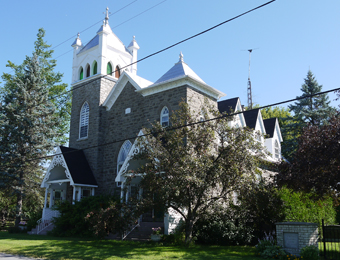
(107, 16)
(181, 57)
(78, 35)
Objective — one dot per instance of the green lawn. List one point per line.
(48, 247)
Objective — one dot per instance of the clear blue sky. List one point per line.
(291, 36)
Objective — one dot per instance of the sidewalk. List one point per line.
(14, 257)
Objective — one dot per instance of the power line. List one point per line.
(72, 37)
(112, 27)
(169, 47)
(196, 123)
(153, 54)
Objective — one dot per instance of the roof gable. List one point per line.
(136, 81)
(77, 169)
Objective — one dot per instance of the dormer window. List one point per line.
(109, 69)
(277, 150)
(117, 72)
(88, 71)
(165, 117)
(81, 73)
(123, 153)
(84, 121)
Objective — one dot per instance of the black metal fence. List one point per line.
(330, 241)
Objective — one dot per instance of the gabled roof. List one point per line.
(269, 124)
(138, 82)
(228, 105)
(180, 69)
(251, 117)
(180, 75)
(78, 166)
(272, 125)
(94, 42)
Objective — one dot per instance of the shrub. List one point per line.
(71, 221)
(224, 226)
(34, 217)
(267, 248)
(300, 206)
(16, 230)
(310, 253)
(109, 219)
(261, 206)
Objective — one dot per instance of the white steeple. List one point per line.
(104, 52)
(133, 48)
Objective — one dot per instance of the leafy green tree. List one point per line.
(316, 163)
(60, 98)
(57, 91)
(314, 110)
(28, 127)
(192, 169)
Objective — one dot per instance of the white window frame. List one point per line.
(84, 120)
(276, 150)
(165, 113)
(123, 153)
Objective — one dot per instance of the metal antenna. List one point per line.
(250, 98)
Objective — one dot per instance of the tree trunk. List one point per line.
(18, 209)
(189, 224)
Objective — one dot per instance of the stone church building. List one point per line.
(112, 103)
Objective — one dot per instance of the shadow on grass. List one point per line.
(75, 248)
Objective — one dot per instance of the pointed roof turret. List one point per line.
(77, 41)
(133, 44)
(180, 69)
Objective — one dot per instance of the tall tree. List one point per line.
(316, 163)
(315, 110)
(57, 91)
(191, 169)
(28, 127)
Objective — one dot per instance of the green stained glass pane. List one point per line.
(81, 76)
(95, 69)
(109, 69)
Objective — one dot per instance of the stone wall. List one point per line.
(293, 236)
(114, 126)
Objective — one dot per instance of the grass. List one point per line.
(48, 247)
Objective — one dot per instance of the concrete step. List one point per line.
(44, 232)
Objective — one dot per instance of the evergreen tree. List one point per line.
(314, 111)
(57, 91)
(29, 125)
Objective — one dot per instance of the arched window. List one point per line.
(165, 117)
(277, 150)
(123, 152)
(88, 71)
(117, 72)
(81, 73)
(94, 68)
(109, 69)
(84, 121)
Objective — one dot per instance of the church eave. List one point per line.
(181, 81)
(93, 77)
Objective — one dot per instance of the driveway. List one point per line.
(14, 257)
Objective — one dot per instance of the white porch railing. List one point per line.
(46, 221)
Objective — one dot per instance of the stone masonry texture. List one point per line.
(108, 129)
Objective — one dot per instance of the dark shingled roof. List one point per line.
(78, 166)
(251, 117)
(228, 105)
(269, 125)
